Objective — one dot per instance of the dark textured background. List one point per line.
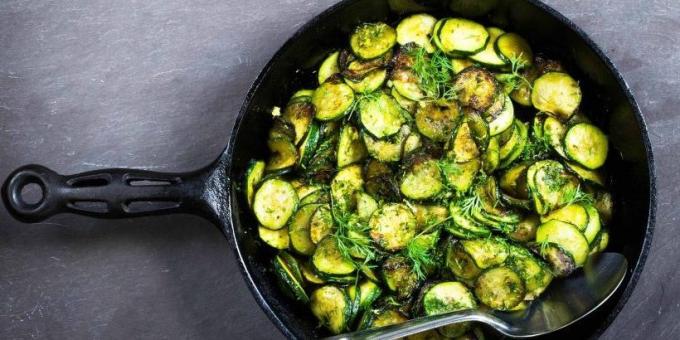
(89, 84)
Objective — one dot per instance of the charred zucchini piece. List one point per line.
(343, 186)
(479, 129)
(500, 288)
(309, 145)
(351, 148)
(399, 276)
(372, 40)
(514, 181)
(486, 252)
(366, 205)
(328, 67)
(525, 231)
(553, 132)
(587, 145)
(277, 239)
(328, 261)
(446, 297)
(488, 56)
(561, 262)
(331, 306)
(503, 120)
(393, 226)
(460, 263)
(321, 224)
(332, 100)
(371, 82)
(437, 122)
(282, 129)
(567, 236)
(575, 214)
(289, 276)
(283, 154)
(357, 69)
(556, 93)
(459, 176)
(590, 176)
(511, 47)
(417, 29)
(274, 203)
(380, 115)
(477, 88)
(376, 318)
(380, 181)
(299, 114)
(492, 157)
(299, 230)
(422, 180)
(462, 146)
(388, 149)
(254, 173)
(458, 36)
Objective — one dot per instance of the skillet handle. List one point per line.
(111, 193)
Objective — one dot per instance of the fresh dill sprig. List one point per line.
(515, 79)
(435, 74)
(420, 248)
(535, 149)
(470, 204)
(351, 236)
(576, 195)
(367, 96)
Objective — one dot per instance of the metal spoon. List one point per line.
(564, 302)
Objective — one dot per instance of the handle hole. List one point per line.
(144, 206)
(89, 206)
(32, 193)
(148, 182)
(88, 182)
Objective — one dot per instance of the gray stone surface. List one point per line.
(166, 78)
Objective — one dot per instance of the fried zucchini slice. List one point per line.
(417, 29)
(372, 40)
(437, 122)
(289, 276)
(462, 146)
(299, 230)
(488, 56)
(274, 203)
(477, 88)
(277, 239)
(332, 101)
(458, 36)
(399, 276)
(351, 147)
(343, 186)
(328, 67)
(556, 93)
(511, 47)
(446, 297)
(328, 260)
(331, 306)
(369, 83)
(380, 115)
(567, 236)
(500, 288)
(422, 181)
(587, 145)
(392, 226)
(254, 173)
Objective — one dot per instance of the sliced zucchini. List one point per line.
(462, 146)
(535, 274)
(587, 145)
(283, 154)
(380, 115)
(303, 190)
(525, 231)
(388, 149)
(332, 100)
(492, 211)
(299, 230)
(299, 114)
(488, 56)
(372, 40)
(277, 239)
(460, 263)
(604, 203)
(351, 148)
(274, 203)
(254, 173)
(512, 48)
(328, 67)
(377, 318)
(567, 236)
(393, 226)
(486, 252)
(309, 145)
(331, 306)
(310, 275)
(492, 157)
(561, 262)
(549, 184)
(459, 64)
(405, 103)
(319, 196)
(343, 186)
(289, 277)
(281, 129)
(521, 93)
(417, 29)
(437, 122)
(503, 120)
(380, 181)
(521, 137)
(575, 214)
(600, 243)
(459, 176)
(479, 128)
(594, 225)
(321, 224)
(399, 276)
(458, 36)
(422, 181)
(407, 84)
(590, 176)
(500, 288)
(514, 181)
(303, 95)
(464, 223)
(366, 205)
(477, 88)
(363, 295)
(556, 93)
(371, 82)
(328, 261)
(553, 132)
(412, 143)
(446, 297)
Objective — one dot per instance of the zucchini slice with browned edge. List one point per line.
(328, 260)
(371, 82)
(277, 239)
(576, 214)
(309, 145)
(331, 306)
(380, 115)
(321, 224)
(387, 149)
(500, 288)
(254, 173)
(549, 184)
(437, 122)
(328, 67)
(525, 230)
(447, 297)
(514, 49)
(362, 296)
(503, 120)
(399, 276)
(332, 100)
(343, 186)
(594, 224)
(458, 36)
(477, 88)
(553, 132)
(289, 276)
(587, 145)
(589, 176)
(462, 146)
(299, 230)
(492, 157)
(459, 176)
(459, 64)
(376, 318)
(556, 93)
(464, 223)
(417, 29)
(422, 180)
(274, 203)
(561, 262)
(372, 40)
(534, 272)
(567, 236)
(488, 56)
(351, 147)
(299, 114)
(392, 226)
(283, 154)
(486, 252)
(407, 84)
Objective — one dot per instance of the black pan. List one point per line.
(213, 192)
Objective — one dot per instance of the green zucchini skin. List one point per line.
(332, 308)
(372, 40)
(290, 278)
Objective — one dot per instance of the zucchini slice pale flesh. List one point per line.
(299, 230)
(372, 40)
(332, 101)
(458, 36)
(512, 48)
(417, 29)
(567, 236)
(381, 116)
(254, 174)
(422, 181)
(500, 288)
(556, 93)
(328, 261)
(477, 88)
(328, 67)
(331, 306)
(587, 145)
(277, 239)
(446, 297)
(488, 55)
(393, 226)
(351, 147)
(274, 203)
(437, 122)
(290, 278)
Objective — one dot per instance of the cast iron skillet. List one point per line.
(214, 191)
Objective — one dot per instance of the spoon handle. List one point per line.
(416, 326)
